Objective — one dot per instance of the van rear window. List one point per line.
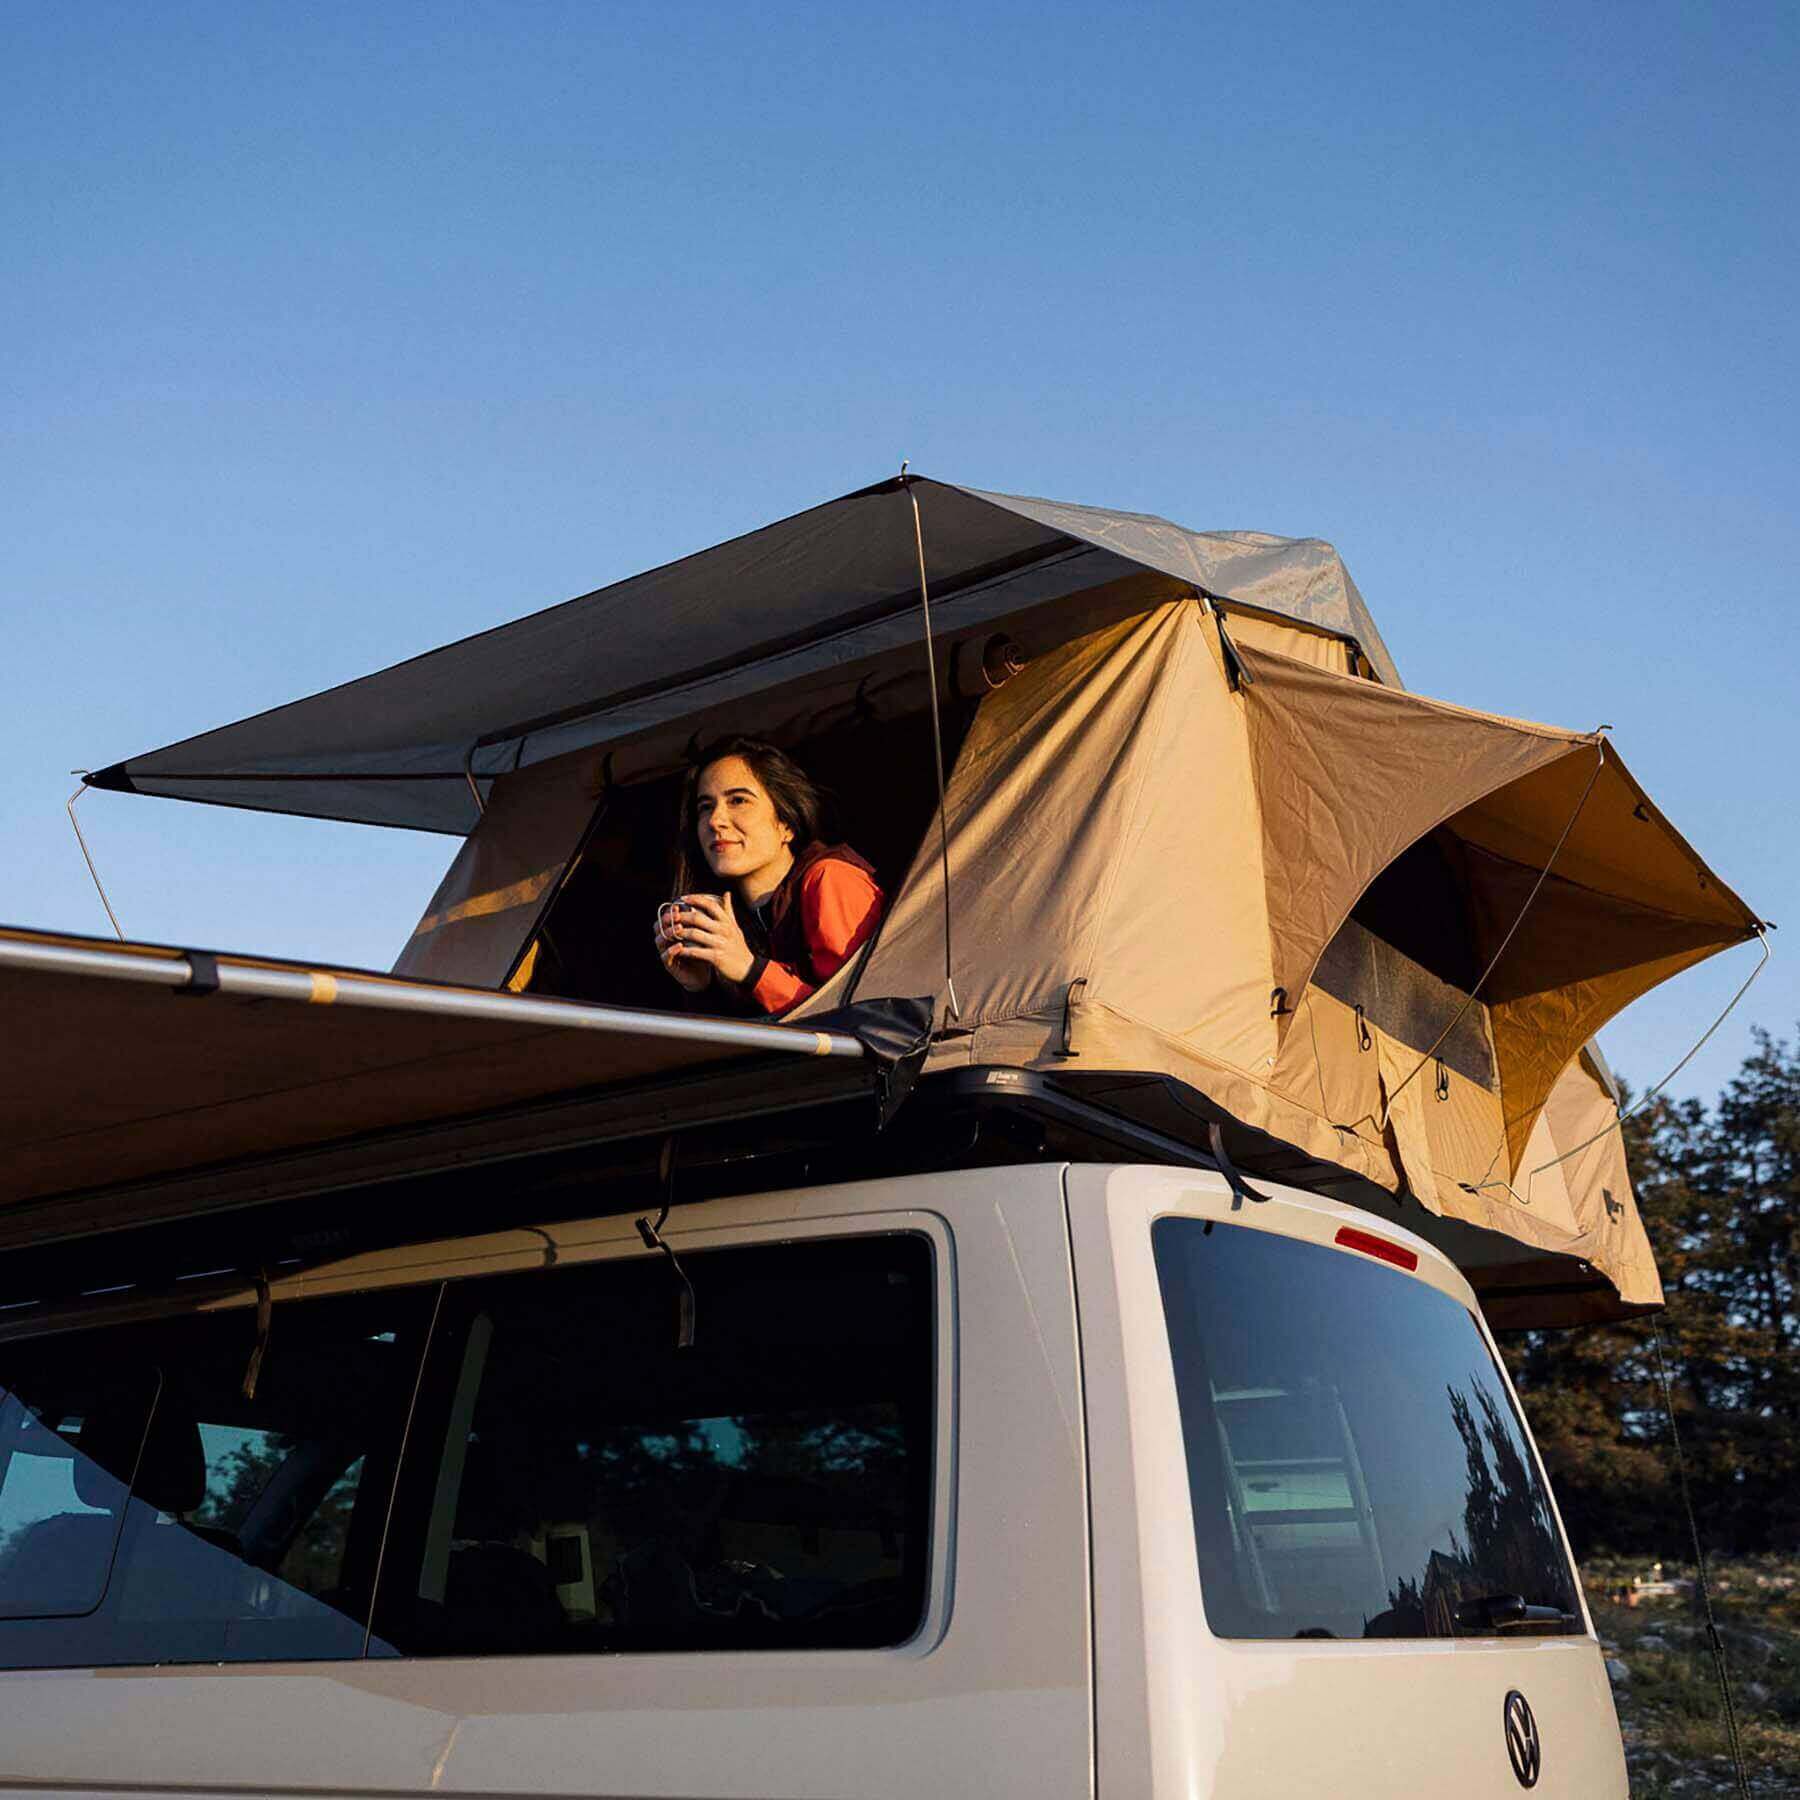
(1356, 1466)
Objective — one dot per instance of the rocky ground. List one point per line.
(1667, 1690)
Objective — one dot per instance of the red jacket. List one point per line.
(826, 908)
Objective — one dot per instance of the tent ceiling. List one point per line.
(826, 589)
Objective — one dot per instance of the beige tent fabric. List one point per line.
(1103, 1038)
(1251, 631)
(1348, 774)
(1535, 1029)
(1619, 844)
(1403, 1101)
(1626, 905)
(1141, 857)
(1576, 1209)
(1448, 1134)
(502, 875)
(1101, 828)
(1574, 1163)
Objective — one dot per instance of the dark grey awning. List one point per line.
(820, 591)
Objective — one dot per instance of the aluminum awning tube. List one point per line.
(200, 972)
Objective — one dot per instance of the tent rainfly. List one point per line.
(1206, 854)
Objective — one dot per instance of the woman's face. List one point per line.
(740, 834)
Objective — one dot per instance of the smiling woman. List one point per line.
(793, 909)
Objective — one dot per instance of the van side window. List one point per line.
(69, 1441)
(1355, 1465)
(150, 1513)
(597, 1487)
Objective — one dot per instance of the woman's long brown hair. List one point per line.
(799, 805)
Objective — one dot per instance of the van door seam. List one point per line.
(1087, 1496)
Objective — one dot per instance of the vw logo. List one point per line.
(1522, 1746)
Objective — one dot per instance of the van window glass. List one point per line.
(159, 1516)
(600, 1488)
(69, 1440)
(1356, 1466)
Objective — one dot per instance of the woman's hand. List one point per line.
(708, 933)
(687, 970)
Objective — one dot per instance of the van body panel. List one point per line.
(1065, 1647)
(1397, 1719)
(1184, 1712)
(992, 1695)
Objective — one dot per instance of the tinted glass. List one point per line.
(601, 1488)
(1355, 1464)
(160, 1516)
(69, 1441)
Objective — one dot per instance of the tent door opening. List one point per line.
(593, 938)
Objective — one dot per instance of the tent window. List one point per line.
(1416, 905)
(1406, 956)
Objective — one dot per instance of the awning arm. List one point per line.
(199, 972)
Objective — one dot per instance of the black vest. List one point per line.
(777, 929)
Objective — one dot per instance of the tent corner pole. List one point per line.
(952, 1004)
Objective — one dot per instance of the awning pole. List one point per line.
(86, 858)
(183, 972)
(937, 743)
(474, 785)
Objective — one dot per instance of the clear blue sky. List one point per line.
(331, 332)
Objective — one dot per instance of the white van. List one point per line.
(1047, 1480)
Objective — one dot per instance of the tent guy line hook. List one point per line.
(1512, 931)
(937, 741)
(94, 873)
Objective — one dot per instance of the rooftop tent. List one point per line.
(1577, 1190)
(1207, 854)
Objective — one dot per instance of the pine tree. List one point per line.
(1719, 1190)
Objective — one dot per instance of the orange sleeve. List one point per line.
(840, 907)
